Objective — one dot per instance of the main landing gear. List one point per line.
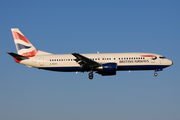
(91, 75)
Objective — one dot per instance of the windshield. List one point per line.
(162, 57)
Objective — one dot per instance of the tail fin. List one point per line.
(23, 46)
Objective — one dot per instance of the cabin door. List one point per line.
(41, 61)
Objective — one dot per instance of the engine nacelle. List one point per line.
(108, 69)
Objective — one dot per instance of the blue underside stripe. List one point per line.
(119, 68)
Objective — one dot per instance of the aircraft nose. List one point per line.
(171, 62)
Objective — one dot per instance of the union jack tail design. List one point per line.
(23, 46)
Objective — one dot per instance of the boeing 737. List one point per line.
(101, 63)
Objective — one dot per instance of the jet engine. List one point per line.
(107, 69)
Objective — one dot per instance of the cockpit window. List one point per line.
(162, 57)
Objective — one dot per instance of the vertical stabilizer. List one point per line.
(23, 46)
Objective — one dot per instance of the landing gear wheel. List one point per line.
(91, 75)
(155, 74)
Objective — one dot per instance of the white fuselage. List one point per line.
(124, 61)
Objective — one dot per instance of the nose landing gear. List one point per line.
(155, 74)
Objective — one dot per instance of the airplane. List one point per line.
(104, 64)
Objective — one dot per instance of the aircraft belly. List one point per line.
(141, 67)
(63, 69)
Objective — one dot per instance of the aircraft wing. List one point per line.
(84, 61)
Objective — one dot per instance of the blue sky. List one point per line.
(63, 27)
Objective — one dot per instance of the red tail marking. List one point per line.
(30, 54)
(16, 35)
(17, 59)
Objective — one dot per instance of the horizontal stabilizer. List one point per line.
(17, 56)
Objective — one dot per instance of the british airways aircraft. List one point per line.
(102, 63)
